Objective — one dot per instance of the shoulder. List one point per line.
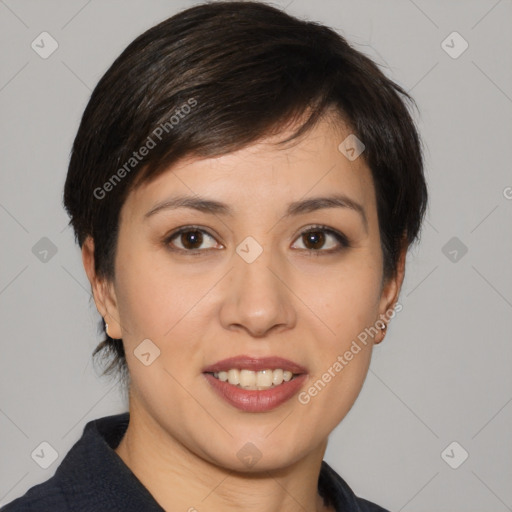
(41, 497)
(340, 496)
(368, 506)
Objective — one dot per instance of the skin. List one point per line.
(182, 440)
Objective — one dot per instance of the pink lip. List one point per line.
(255, 364)
(256, 400)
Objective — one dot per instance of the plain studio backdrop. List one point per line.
(430, 430)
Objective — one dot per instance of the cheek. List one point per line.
(348, 300)
(152, 298)
(155, 303)
(349, 307)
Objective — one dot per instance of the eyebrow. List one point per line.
(301, 207)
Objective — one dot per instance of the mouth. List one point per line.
(256, 384)
(251, 380)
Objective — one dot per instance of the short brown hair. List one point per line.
(215, 78)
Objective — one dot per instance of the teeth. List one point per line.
(234, 377)
(247, 379)
(264, 378)
(277, 377)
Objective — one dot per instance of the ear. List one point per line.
(103, 291)
(390, 293)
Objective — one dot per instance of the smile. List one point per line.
(251, 380)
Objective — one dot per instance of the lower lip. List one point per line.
(256, 400)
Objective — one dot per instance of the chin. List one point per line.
(246, 454)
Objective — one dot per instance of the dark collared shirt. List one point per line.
(93, 478)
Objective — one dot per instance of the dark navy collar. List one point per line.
(93, 467)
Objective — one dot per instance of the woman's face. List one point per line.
(247, 280)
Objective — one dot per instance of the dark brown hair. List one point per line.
(215, 78)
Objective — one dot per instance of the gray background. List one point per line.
(443, 373)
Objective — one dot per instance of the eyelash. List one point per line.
(339, 237)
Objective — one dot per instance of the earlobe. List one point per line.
(383, 329)
(96, 287)
(103, 294)
(390, 294)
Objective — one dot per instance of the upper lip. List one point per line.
(255, 364)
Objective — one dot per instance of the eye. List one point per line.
(316, 236)
(189, 238)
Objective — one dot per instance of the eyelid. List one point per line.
(183, 229)
(341, 238)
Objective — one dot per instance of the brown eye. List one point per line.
(314, 240)
(189, 239)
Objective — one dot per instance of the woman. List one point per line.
(244, 187)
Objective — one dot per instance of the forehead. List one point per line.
(264, 174)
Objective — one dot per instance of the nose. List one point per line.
(257, 297)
